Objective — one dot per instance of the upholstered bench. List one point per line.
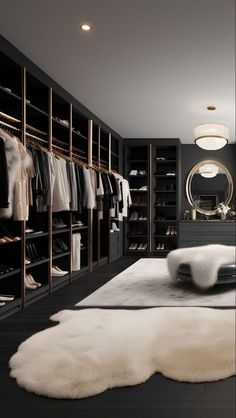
(226, 273)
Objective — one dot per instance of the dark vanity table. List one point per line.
(202, 232)
(208, 183)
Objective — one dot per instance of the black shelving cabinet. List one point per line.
(42, 113)
(152, 168)
(164, 198)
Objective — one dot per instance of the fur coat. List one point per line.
(14, 166)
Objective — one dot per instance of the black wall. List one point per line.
(192, 154)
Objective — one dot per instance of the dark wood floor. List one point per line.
(157, 398)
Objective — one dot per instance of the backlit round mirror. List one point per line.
(209, 183)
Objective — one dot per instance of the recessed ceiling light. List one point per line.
(211, 108)
(86, 27)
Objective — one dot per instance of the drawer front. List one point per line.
(191, 234)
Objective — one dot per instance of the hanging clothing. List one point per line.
(72, 186)
(76, 244)
(4, 181)
(21, 190)
(89, 195)
(61, 191)
(14, 163)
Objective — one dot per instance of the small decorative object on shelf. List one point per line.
(195, 205)
(222, 210)
(186, 215)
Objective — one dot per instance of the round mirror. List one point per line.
(209, 183)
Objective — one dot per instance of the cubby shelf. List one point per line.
(10, 93)
(57, 256)
(36, 236)
(10, 274)
(36, 263)
(60, 231)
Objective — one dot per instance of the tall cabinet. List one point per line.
(152, 168)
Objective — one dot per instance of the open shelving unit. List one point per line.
(152, 170)
(42, 112)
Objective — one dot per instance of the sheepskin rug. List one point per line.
(205, 262)
(92, 350)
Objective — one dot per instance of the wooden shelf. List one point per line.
(57, 256)
(34, 236)
(10, 94)
(30, 106)
(36, 263)
(60, 231)
(10, 274)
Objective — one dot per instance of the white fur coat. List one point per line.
(205, 262)
(14, 165)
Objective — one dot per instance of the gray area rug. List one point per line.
(147, 283)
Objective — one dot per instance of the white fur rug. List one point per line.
(204, 261)
(148, 283)
(94, 349)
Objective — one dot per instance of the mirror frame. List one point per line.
(189, 183)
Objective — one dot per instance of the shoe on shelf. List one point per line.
(140, 247)
(114, 227)
(144, 247)
(143, 188)
(28, 230)
(131, 246)
(29, 285)
(32, 281)
(169, 230)
(133, 173)
(6, 298)
(56, 271)
(135, 246)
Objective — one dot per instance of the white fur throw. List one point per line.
(205, 262)
(93, 350)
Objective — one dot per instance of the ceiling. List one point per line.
(148, 69)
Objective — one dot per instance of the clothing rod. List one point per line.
(6, 116)
(36, 137)
(9, 126)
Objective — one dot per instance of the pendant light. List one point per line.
(211, 136)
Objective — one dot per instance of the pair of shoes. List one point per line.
(30, 283)
(160, 202)
(114, 227)
(171, 230)
(5, 269)
(58, 246)
(57, 272)
(6, 298)
(136, 246)
(144, 188)
(7, 239)
(136, 231)
(133, 173)
(5, 236)
(58, 223)
(171, 173)
(32, 253)
(160, 246)
(28, 230)
(77, 223)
